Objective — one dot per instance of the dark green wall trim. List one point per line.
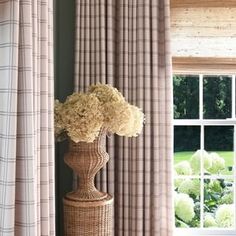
(64, 37)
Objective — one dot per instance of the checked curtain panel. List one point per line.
(126, 43)
(26, 118)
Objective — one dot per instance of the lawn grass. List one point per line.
(227, 155)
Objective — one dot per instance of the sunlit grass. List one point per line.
(227, 155)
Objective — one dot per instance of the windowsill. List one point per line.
(199, 232)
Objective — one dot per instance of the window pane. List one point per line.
(219, 146)
(217, 97)
(219, 211)
(186, 143)
(187, 203)
(234, 94)
(186, 96)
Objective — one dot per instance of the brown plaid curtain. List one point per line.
(26, 118)
(127, 44)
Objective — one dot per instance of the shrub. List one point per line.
(218, 194)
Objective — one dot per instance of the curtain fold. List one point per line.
(127, 44)
(26, 118)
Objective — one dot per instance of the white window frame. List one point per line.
(202, 123)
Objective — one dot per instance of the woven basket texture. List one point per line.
(88, 218)
(87, 211)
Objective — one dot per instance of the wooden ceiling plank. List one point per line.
(202, 3)
(204, 65)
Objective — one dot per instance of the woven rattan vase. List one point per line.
(87, 211)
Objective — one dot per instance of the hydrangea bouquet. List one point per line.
(83, 115)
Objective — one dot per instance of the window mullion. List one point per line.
(205, 177)
(202, 148)
(202, 178)
(204, 122)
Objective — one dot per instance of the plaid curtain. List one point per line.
(26, 118)
(127, 44)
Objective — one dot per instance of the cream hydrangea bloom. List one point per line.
(184, 207)
(82, 117)
(106, 93)
(59, 126)
(183, 168)
(225, 216)
(218, 163)
(189, 186)
(135, 126)
(209, 221)
(118, 117)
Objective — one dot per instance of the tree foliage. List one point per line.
(216, 105)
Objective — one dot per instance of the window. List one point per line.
(204, 154)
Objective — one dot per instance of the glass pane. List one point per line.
(217, 97)
(219, 146)
(187, 203)
(235, 95)
(186, 96)
(186, 143)
(219, 211)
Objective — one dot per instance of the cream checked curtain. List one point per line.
(26, 118)
(127, 44)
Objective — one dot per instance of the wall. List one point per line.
(203, 36)
(64, 20)
(203, 31)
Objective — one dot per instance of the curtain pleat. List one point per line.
(26, 118)
(127, 44)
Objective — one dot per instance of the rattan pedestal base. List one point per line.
(88, 218)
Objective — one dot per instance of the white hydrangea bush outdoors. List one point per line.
(184, 207)
(183, 168)
(225, 216)
(218, 193)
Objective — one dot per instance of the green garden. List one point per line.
(216, 189)
(217, 194)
